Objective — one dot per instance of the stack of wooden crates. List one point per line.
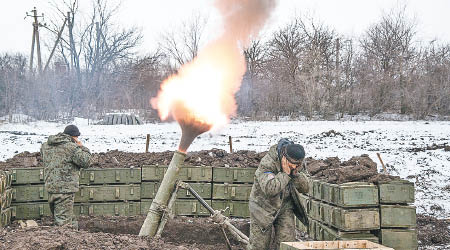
(5, 198)
(361, 211)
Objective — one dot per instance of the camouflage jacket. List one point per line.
(271, 189)
(62, 159)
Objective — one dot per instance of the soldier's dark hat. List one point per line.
(294, 153)
(72, 130)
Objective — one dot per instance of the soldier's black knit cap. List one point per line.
(72, 130)
(294, 153)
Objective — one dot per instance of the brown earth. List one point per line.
(432, 231)
(358, 168)
(120, 233)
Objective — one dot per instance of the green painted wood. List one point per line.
(232, 208)
(320, 231)
(30, 210)
(354, 194)
(350, 219)
(398, 216)
(110, 176)
(29, 193)
(186, 173)
(130, 208)
(6, 199)
(149, 189)
(399, 239)
(231, 191)
(27, 176)
(233, 175)
(131, 192)
(396, 192)
(181, 207)
(5, 217)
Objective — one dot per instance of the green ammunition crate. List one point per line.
(305, 201)
(233, 175)
(352, 194)
(300, 226)
(27, 176)
(5, 217)
(317, 186)
(108, 209)
(149, 189)
(231, 191)
(131, 192)
(8, 179)
(351, 219)
(187, 173)
(30, 210)
(323, 232)
(181, 207)
(232, 208)
(6, 199)
(28, 193)
(399, 239)
(3, 180)
(396, 192)
(397, 216)
(110, 176)
(315, 210)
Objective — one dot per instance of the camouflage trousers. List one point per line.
(282, 230)
(61, 207)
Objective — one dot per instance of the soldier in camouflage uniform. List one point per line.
(63, 155)
(271, 201)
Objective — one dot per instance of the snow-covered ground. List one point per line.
(429, 169)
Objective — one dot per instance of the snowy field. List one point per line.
(402, 145)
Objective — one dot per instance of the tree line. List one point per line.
(303, 68)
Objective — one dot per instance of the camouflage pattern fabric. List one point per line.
(61, 206)
(62, 159)
(270, 203)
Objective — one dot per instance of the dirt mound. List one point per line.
(358, 168)
(432, 231)
(120, 233)
(22, 160)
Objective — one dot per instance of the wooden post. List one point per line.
(382, 164)
(147, 142)
(231, 144)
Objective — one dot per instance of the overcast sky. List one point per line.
(348, 17)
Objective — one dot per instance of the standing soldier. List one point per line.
(63, 155)
(273, 202)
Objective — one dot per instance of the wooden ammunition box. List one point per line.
(352, 194)
(30, 210)
(231, 191)
(6, 199)
(27, 176)
(187, 173)
(397, 216)
(149, 189)
(28, 193)
(181, 207)
(233, 175)
(399, 239)
(323, 232)
(232, 208)
(396, 192)
(130, 208)
(5, 217)
(110, 176)
(131, 192)
(333, 245)
(350, 219)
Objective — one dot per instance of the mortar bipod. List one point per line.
(217, 216)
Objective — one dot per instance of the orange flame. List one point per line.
(202, 92)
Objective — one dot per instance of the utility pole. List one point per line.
(56, 44)
(35, 40)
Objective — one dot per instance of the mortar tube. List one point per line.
(162, 197)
